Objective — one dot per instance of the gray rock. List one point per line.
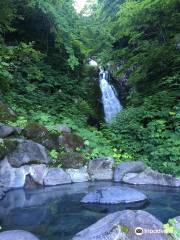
(152, 177)
(78, 175)
(56, 176)
(5, 130)
(101, 168)
(63, 128)
(128, 167)
(114, 195)
(38, 172)
(17, 235)
(11, 177)
(28, 152)
(122, 225)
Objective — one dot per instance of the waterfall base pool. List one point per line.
(55, 213)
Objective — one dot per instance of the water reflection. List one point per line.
(56, 213)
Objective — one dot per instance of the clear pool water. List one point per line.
(55, 213)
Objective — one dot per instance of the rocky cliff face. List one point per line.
(120, 82)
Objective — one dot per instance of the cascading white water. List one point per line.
(110, 101)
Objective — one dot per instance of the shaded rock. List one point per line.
(122, 225)
(17, 235)
(71, 160)
(11, 177)
(30, 183)
(40, 134)
(6, 130)
(128, 167)
(70, 142)
(78, 175)
(28, 152)
(56, 176)
(152, 177)
(101, 168)
(114, 195)
(7, 146)
(63, 128)
(6, 113)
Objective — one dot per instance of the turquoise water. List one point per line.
(55, 213)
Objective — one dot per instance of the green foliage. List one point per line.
(172, 229)
(55, 161)
(149, 134)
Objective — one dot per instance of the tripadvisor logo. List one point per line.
(139, 231)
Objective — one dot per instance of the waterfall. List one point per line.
(110, 101)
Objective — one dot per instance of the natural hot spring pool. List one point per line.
(55, 213)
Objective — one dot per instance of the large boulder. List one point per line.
(11, 177)
(71, 160)
(128, 167)
(28, 152)
(114, 195)
(70, 142)
(151, 177)
(124, 225)
(24, 176)
(17, 235)
(101, 168)
(78, 175)
(56, 176)
(40, 134)
(6, 130)
(6, 114)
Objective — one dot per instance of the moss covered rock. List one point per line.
(6, 114)
(7, 146)
(71, 142)
(40, 134)
(71, 160)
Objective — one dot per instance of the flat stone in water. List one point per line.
(114, 195)
(17, 235)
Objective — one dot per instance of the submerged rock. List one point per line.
(27, 152)
(6, 130)
(17, 235)
(152, 177)
(128, 167)
(124, 225)
(78, 175)
(56, 176)
(101, 168)
(114, 195)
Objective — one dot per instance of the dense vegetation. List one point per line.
(44, 46)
